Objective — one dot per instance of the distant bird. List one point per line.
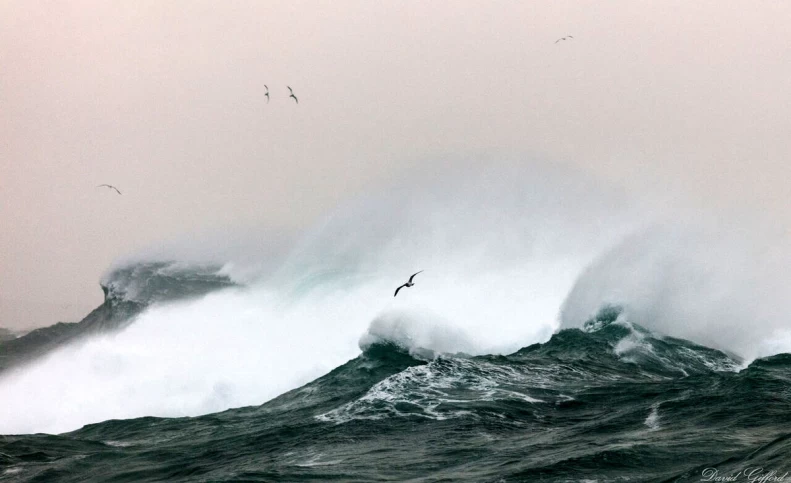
(266, 93)
(408, 284)
(109, 186)
(564, 38)
(292, 95)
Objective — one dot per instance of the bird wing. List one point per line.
(399, 288)
(413, 276)
(295, 98)
(570, 37)
(558, 40)
(289, 90)
(267, 87)
(109, 186)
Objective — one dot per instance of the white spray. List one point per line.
(501, 249)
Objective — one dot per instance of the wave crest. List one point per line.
(418, 333)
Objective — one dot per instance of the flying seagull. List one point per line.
(292, 95)
(267, 93)
(564, 38)
(109, 186)
(408, 284)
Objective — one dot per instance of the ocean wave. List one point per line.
(448, 387)
(445, 388)
(499, 261)
(560, 410)
(160, 281)
(697, 278)
(419, 333)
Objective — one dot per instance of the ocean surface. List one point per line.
(608, 402)
(550, 337)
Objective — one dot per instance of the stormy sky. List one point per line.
(165, 100)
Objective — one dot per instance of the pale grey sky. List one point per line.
(165, 101)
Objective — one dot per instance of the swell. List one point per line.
(567, 409)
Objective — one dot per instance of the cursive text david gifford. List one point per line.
(756, 474)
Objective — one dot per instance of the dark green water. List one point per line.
(612, 403)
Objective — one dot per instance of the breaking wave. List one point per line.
(503, 253)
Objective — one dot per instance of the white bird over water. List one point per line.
(109, 186)
(408, 284)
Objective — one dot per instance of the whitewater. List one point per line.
(512, 254)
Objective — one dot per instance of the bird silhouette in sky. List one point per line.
(109, 186)
(408, 284)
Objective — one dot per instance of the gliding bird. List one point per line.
(408, 284)
(292, 95)
(109, 186)
(266, 93)
(564, 38)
